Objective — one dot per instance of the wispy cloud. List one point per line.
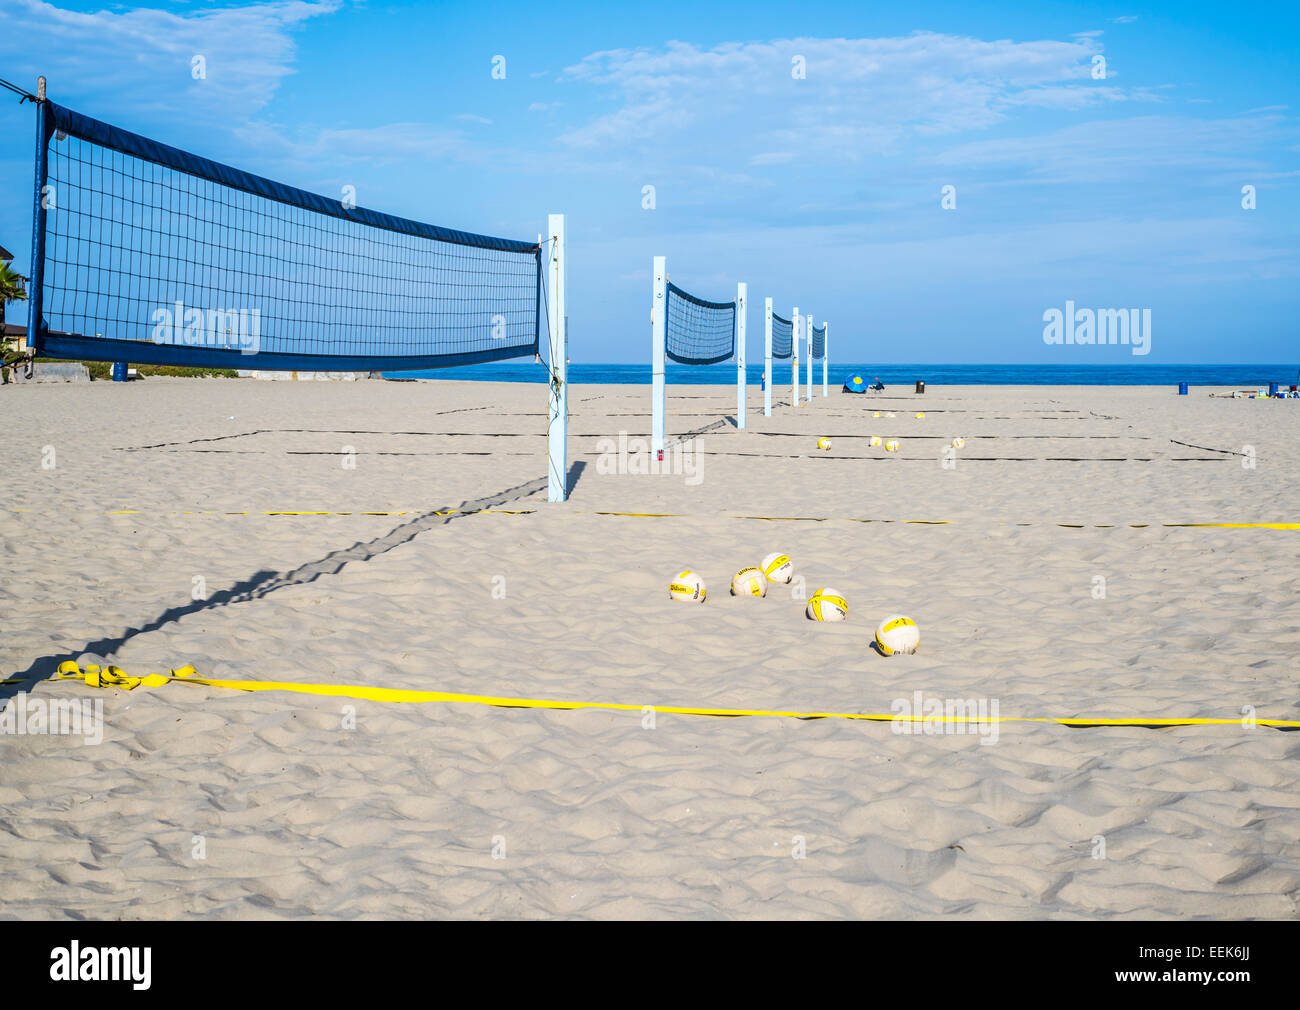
(145, 58)
(848, 97)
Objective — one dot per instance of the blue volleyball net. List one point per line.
(782, 337)
(698, 332)
(819, 341)
(155, 255)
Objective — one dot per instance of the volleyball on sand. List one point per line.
(827, 605)
(749, 582)
(687, 586)
(898, 635)
(778, 568)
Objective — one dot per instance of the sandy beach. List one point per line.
(134, 528)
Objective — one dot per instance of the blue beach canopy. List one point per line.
(855, 384)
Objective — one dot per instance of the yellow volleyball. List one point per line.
(687, 585)
(958, 443)
(823, 443)
(920, 415)
(898, 635)
(827, 605)
(876, 440)
(749, 582)
(893, 445)
(778, 568)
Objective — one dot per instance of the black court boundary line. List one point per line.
(1206, 448)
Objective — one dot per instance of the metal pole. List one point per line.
(826, 356)
(808, 366)
(557, 432)
(658, 352)
(742, 307)
(794, 357)
(767, 357)
(36, 296)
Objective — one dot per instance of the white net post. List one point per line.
(658, 354)
(826, 358)
(808, 366)
(794, 357)
(767, 357)
(742, 305)
(557, 431)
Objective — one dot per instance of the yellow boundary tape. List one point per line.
(113, 676)
(680, 515)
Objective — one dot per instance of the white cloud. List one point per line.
(860, 97)
(470, 117)
(104, 60)
(1126, 149)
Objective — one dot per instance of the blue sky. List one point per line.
(822, 192)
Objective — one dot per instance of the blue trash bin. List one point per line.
(119, 371)
(1272, 389)
(1182, 389)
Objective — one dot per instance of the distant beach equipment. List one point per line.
(749, 582)
(823, 443)
(687, 586)
(876, 414)
(898, 635)
(827, 605)
(959, 443)
(778, 568)
(889, 415)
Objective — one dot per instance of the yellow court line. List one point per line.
(113, 676)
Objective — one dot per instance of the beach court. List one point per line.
(396, 535)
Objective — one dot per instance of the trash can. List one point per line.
(920, 385)
(119, 371)
(1182, 389)
(1272, 389)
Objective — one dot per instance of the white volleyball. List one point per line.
(749, 582)
(898, 635)
(823, 443)
(778, 568)
(687, 586)
(893, 445)
(876, 440)
(826, 605)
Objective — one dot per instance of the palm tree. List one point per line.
(12, 289)
(12, 284)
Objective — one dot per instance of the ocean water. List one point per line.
(1242, 376)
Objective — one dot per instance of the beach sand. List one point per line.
(208, 802)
